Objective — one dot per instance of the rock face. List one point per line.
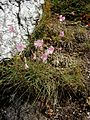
(17, 21)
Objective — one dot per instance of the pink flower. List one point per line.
(44, 57)
(61, 18)
(26, 66)
(61, 33)
(50, 50)
(20, 47)
(38, 43)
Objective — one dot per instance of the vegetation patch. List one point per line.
(52, 70)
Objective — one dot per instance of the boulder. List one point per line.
(17, 20)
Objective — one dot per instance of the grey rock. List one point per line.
(17, 21)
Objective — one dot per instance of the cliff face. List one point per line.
(17, 20)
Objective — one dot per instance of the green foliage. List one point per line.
(68, 6)
(39, 80)
(55, 2)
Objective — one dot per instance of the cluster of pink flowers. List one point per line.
(61, 18)
(49, 51)
(44, 56)
(38, 43)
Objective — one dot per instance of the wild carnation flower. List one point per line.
(61, 33)
(38, 43)
(61, 18)
(44, 57)
(20, 47)
(50, 50)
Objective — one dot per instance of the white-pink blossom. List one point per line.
(61, 18)
(50, 50)
(38, 43)
(61, 33)
(44, 57)
(20, 47)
